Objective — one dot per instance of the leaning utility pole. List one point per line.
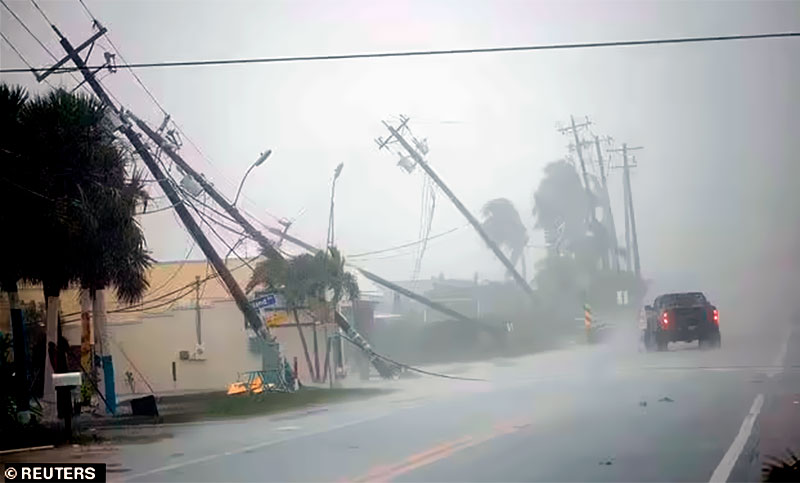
(600, 161)
(578, 147)
(395, 133)
(251, 316)
(626, 166)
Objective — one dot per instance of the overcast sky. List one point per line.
(714, 188)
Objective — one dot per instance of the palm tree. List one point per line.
(561, 200)
(502, 223)
(304, 282)
(561, 204)
(81, 230)
(12, 102)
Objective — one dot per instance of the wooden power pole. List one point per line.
(612, 228)
(631, 217)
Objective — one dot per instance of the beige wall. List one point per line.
(152, 343)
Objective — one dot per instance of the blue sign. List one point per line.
(265, 301)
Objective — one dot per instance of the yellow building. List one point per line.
(148, 339)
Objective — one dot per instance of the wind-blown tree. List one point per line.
(502, 223)
(81, 228)
(304, 282)
(562, 204)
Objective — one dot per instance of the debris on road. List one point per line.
(666, 399)
(643, 404)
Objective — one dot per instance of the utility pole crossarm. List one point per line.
(463, 209)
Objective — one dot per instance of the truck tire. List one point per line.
(711, 341)
(662, 345)
(649, 344)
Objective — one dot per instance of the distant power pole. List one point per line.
(578, 148)
(612, 228)
(626, 166)
(420, 161)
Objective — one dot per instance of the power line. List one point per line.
(49, 22)
(122, 58)
(158, 104)
(21, 57)
(158, 210)
(49, 52)
(421, 53)
(175, 274)
(141, 305)
(24, 26)
(204, 218)
(406, 245)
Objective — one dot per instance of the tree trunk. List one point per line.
(20, 344)
(100, 331)
(316, 354)
(86, 340)
(52, 302)
(303, 341)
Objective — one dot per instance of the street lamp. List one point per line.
(332, 370)
(263, 157)
(333, 190)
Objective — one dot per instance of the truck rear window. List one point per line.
(683, 299)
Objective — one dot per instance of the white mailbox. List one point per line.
(66, 379)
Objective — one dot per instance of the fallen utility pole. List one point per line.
(626, 166)
(251, 316)
(463, 209)
(418, 298)
(383, 282)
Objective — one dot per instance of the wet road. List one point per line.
(602, 413)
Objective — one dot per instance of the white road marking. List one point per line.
(251, 447)
(725, 466)
(780, 357)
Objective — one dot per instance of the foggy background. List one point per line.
(715, 191)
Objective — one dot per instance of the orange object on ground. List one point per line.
(237, 388)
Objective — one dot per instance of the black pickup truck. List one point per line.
(681, 317)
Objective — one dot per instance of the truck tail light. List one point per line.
(664, 319)
(716, 316)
